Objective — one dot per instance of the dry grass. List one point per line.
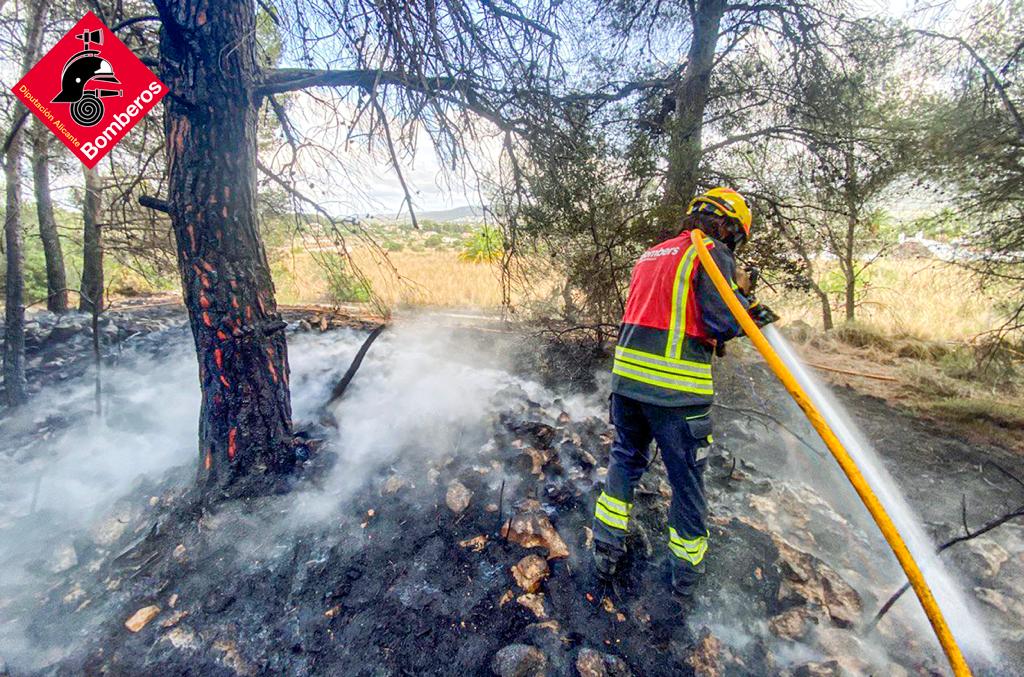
(913, 299)
(928, 300)
(430, 278)
(945, 383)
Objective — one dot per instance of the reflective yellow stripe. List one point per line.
(690, 549)
(692, 369)
(662, 380)
(612, 511)
(698, 366)
(611, 519)
(680, 293)
(614, 503)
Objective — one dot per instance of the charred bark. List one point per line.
(208, 62)
(56, 279)
(91, 297)
(686, 125)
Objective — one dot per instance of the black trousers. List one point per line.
(683, 435)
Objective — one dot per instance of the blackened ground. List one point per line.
(394, 593)
(385, 583)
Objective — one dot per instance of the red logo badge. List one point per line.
(90, 90)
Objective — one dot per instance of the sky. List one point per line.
(374, 187)
(356, 182)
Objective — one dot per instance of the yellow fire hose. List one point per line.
(867, 495)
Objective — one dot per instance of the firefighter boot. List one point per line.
(685, 578)
(606, 561)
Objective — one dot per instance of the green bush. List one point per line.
(483, 246)
(434, 241)
(342, 285)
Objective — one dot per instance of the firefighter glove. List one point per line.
(762, 315)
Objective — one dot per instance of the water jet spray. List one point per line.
(861, 485)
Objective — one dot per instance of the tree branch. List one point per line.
(279, 80)
(999, 85)
(155, 203)
(987, 527)
(519, 18)
(394, 159)
(134, 20)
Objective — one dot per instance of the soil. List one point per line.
(389, 580)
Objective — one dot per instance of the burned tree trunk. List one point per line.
(14, 310)
(208, 62)
(91, 297)
(686, 124)
(56, 279)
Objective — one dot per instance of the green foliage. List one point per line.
(483, 246)
(434, 241)
(589, 215)
(832, 281)
(35, 270)
(342, 285)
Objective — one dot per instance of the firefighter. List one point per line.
(662, 383)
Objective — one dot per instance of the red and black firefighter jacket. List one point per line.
(674, 318)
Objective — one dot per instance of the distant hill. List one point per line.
(467, 213)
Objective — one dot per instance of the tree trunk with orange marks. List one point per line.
(208, 61)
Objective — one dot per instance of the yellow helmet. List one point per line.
(723, 201)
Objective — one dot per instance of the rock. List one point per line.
(179, 553)
(547, 626)
(531, 528)
(1012, 609)
(537, 459)
(790, 624)
(816, 669)
(173, 619)
(706, 657)
(519, 660)
(433, 475)
(664, 488)
(591, 663)
(64, 558)
(142, 617)
(68, 325)
(457, 497)
(476, 544)
(182, 638)
(807, 579)
(539, 434)
(534, 602)
(845, 649)
(393, 485)
(530, 572)
(232, 658)
(987, 555)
